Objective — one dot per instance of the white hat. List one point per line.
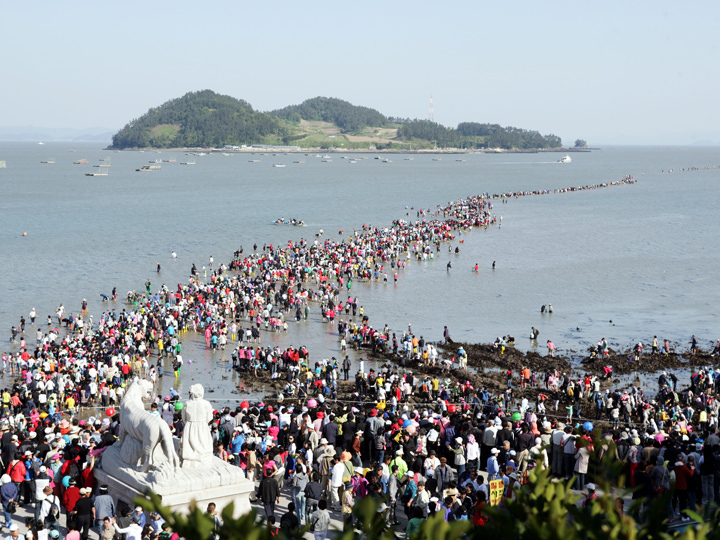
(138, 509)
(458, 440)
(591, 487)
(399, 452)
(494, 451)
(14, 527)
(382, 508)
(409, 473)
(323, 441)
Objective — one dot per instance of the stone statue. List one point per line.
(145, 458)
(142, 433)
(196, 446)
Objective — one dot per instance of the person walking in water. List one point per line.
(551, 348)
(449, 266)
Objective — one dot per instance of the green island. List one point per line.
(207, 119)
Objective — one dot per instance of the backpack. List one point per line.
(54, 512)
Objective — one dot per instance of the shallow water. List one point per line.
(641, 256)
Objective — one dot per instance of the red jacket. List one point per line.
(682, 476)
(17, 471)
(71, 497)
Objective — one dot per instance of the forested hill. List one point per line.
(346, 116)
(207, 119)
(201, 118)
(474, 135)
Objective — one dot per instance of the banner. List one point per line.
(497, 488)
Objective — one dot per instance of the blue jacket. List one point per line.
(7, 492)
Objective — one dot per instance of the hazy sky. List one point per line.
(630, 72)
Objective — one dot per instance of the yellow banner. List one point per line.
(497, 488)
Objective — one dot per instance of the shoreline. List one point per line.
(294, 150)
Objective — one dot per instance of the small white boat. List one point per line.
(187, 163)
(386, 160)
(566, 159)
(279, 165)
(253, 161)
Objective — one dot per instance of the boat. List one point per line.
(51, 160)
(105, 165)
(461, 160)
(81, 161)
(3, 164)
(326, 156)
(253, 161)
(187, 163)
(96, 174)
(279, 165)
(566, 159)
(352, 161)
(437, 159)
(301, 161)
(386, 160)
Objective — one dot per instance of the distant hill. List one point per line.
(346, 116)
(207, 119)
(198, 119)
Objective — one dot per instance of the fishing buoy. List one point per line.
(24, 234)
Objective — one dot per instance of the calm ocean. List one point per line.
(642, 256)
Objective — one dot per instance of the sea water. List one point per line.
(625, 262)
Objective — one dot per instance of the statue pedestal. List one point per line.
(214, 481)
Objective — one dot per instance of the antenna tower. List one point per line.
(431, 113)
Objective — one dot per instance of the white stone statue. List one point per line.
(196, 446)
(142, 432)
(145, 458)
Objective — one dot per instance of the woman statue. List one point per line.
(196, 445)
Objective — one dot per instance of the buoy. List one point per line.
(24, 234)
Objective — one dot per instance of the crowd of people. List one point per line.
(417, 442)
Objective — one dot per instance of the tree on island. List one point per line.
(580, 143)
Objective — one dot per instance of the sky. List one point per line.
(638, 72)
